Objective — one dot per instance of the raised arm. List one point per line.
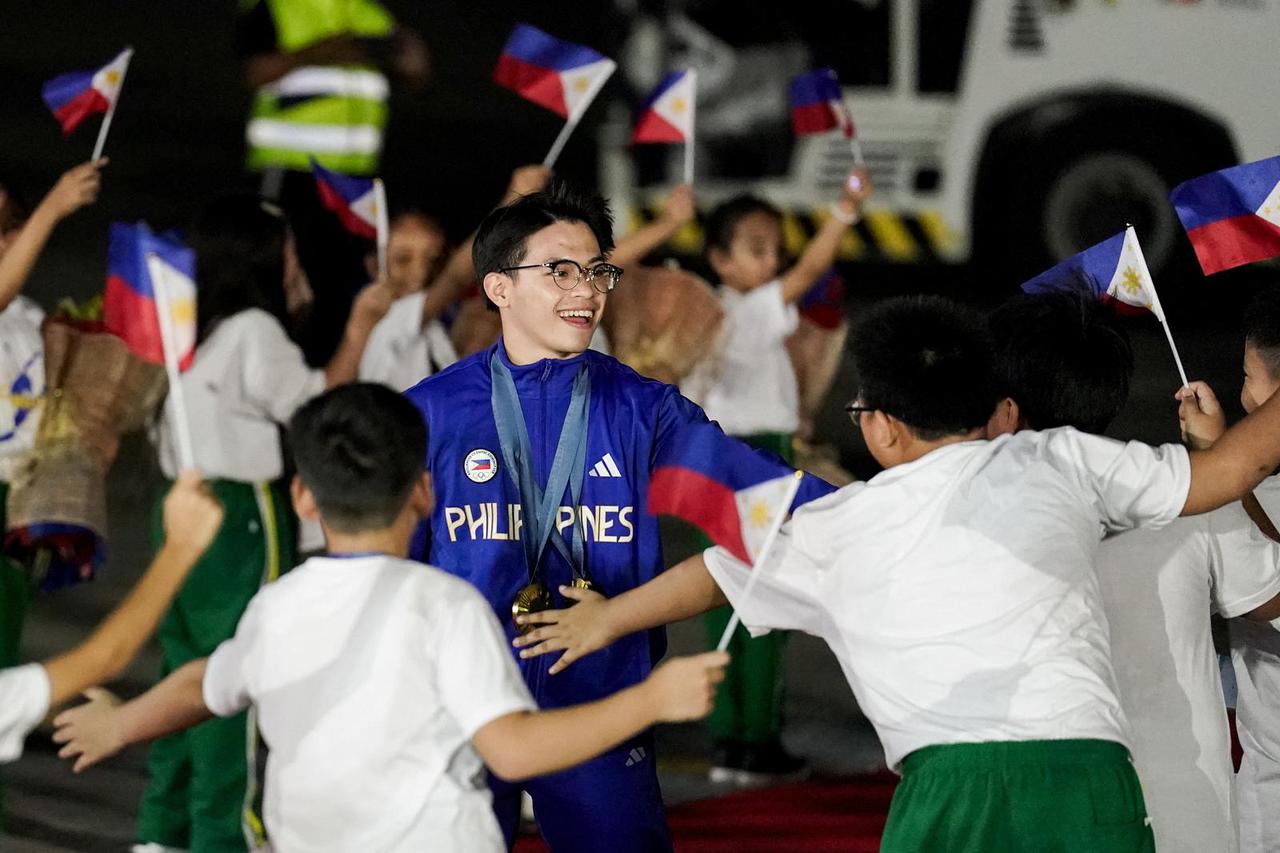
(100, 728)
(681, 592)
(192, 517)
(1243, 457)
(531, 743)
(820, 254)
(75, 189)
(679, 208)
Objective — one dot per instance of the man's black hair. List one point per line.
(724, 219)
(926, 361)
(1262, 328)
(239, 243)
(503, 236)
(359, 448)
(1063, 358)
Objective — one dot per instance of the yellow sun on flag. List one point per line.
(678, 105)
(581, 84)
(113, 77)
(184, 311)
(1132, 280)
(759, 515)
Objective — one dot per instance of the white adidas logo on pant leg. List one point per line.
(606, 467)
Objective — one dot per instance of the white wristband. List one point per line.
(840, 215)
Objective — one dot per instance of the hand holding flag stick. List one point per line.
(757, 566)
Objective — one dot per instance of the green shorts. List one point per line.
(1042, 796)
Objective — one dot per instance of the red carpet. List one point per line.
(844, 815)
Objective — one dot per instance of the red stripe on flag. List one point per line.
(132, 317)
(76, 110)
(813, 118)
(333, 200)
(654, 128)
(537, 84)
(701, 501)
(1234, 241)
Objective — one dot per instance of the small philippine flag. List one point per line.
(1115, 270)
(1232, 216)
(668, 114)
(75, 96)
(129, 305)
(817, 104)
(562, 76)
(354, 200)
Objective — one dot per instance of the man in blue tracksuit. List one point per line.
(540, 412)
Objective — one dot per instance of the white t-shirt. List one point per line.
(401, 353)
(1255, 655)
(1158, 588)
(24, 700)
(370, 675)
(958, 591)
(246, 381)
(21, 381)
(756, 389)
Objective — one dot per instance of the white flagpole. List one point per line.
(1158, 309)
(758, 566)
(383, 229)
(593, 89)
(111, 109)
(177, 401)
(693, 116)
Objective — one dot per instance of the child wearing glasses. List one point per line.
(755, 397)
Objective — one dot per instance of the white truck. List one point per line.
(1015, 132)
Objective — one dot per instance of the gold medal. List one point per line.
(582, 583)
(531, 599)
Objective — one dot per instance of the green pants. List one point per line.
(748, 705)
(1042, 796)
(14, 595)
(203, 795)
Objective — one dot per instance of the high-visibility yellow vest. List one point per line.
(333, 113)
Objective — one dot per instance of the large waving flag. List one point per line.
(354, 200)
(667, 115)
(817, 104)
(129, 305)
(1232, 216)
(729, 490)
(562, 76)
(75, 96)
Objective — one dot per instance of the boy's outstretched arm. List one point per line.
(820, 254)
(1243, 457)
(448, 286)
(679, 208)
(101, 727)
(192, 516)
(681, 592)
(76, 188)
(530, 743)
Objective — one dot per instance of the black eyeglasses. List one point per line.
(854, 409)
(568, 273)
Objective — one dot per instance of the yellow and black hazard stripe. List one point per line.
(885, 236)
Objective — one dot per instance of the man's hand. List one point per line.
(680, 206)
(857, 189)
(371, 305)
(90, 732)
(76, 188)
(685, 688)
(578, 630)
(527, 180)
(1200, 416)
(192, 515)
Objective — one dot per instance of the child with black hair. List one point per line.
(22, 238)
(1255, 649)
(754, 395)
(957, 589)
(1064, 361)
(246, 381)
(381, 685)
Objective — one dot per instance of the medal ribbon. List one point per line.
(540, 508)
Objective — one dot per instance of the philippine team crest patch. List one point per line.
(480, 465)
